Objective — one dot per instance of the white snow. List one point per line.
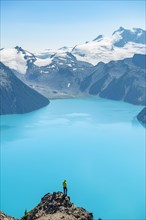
(43, 71)
(97, 51)
(13, 59)
(139, 34)
(43, 62)
(49, 52)
(69, 65)
(16, 61)
(68, 85)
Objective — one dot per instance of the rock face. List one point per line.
(57, 206)
(15, 96)
(62, 75)
(5, 217)
(142, 116)
(119, 80)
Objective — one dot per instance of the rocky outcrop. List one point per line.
(142, 116)
(57, 206)
(15, 96)
(5, 217)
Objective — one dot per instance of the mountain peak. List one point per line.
(57, 206)
(136, 35)
(120, 29)
(98, 38)
(17, 47)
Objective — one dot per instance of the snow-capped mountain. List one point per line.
(122, 44)
(78, 71)
(19, 59)
(15, 96)
(48, 53)
(62, 75)
(123, 36)
(16, 58)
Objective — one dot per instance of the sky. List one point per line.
(38, 25)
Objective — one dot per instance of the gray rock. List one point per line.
(57, 206)
(142, 116)
(15, 96)
(3, 216)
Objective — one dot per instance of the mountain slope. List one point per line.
(62, 75)
(15, 96)
(118, 80)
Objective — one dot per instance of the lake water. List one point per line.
(97, 145)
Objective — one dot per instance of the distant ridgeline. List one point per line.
(105, 67)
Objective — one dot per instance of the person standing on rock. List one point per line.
(64, 187)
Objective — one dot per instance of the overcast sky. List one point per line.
(38, 25)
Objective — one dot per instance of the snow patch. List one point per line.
(69, 65)
(43, 62)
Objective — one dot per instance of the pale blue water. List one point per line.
(96, 144)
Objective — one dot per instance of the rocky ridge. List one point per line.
(5, 217)
(57, 206)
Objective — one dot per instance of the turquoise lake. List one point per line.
(97, 145)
